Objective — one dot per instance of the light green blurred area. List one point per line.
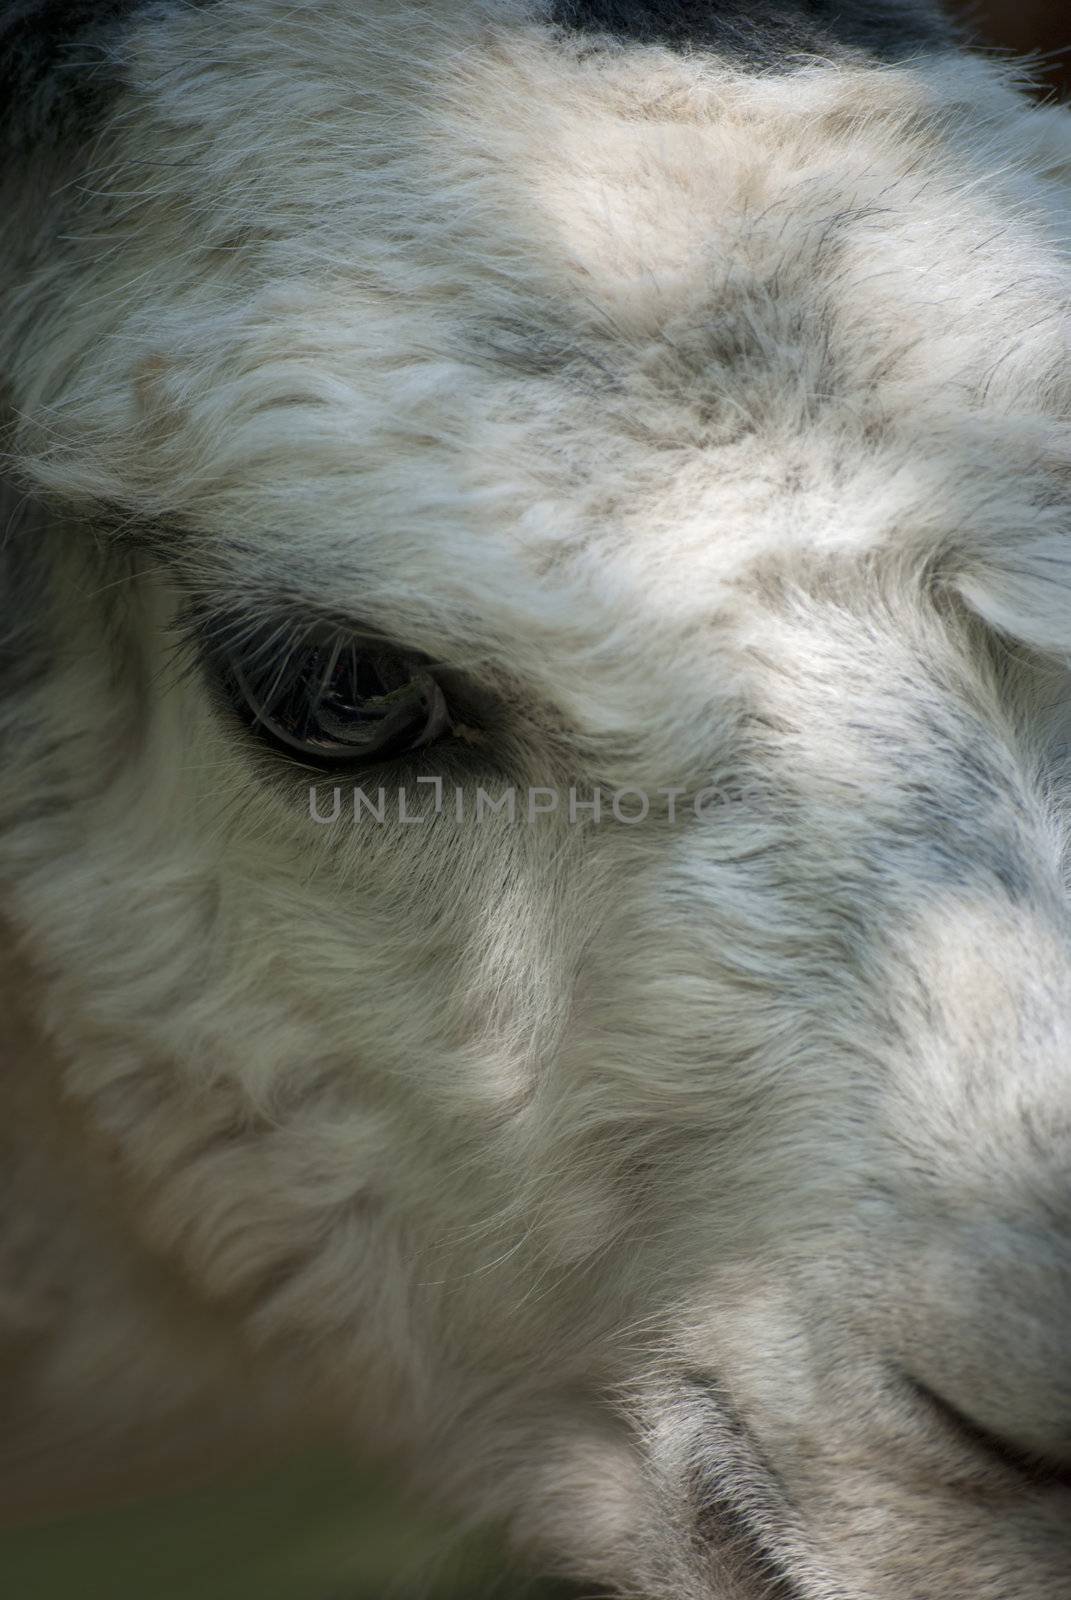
(313, 1529)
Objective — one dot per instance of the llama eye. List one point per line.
(334, 700)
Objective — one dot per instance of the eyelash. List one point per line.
(313, 689)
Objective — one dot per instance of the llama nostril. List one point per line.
(987, 1339)
(1027, 1462)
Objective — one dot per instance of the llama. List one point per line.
(534, 796)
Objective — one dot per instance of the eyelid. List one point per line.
(213, 627)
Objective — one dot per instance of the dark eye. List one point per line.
(335, 700)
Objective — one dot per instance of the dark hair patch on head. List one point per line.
(764, 34)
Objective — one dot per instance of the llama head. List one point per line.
(632, 496)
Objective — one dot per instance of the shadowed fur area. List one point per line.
(535, 801)
(57, 64)
(764, 33)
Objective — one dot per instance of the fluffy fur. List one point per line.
(693, 1195)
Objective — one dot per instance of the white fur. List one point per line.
(615, 1178)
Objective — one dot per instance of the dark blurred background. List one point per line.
(1028, 26)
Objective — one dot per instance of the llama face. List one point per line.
(537, 768)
